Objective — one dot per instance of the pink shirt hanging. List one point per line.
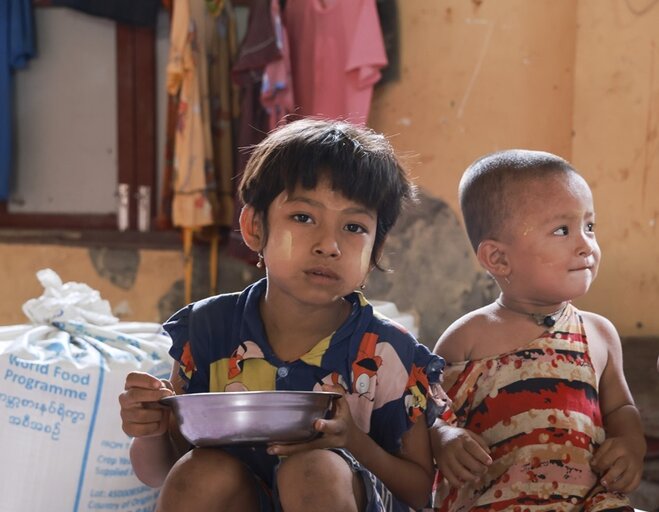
(277, 86)
(337, 52)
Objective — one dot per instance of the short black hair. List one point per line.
(358, 162)
(484, 189)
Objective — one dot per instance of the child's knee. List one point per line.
(205, 468)
(320, 472)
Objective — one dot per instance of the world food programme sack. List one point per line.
(61, 444)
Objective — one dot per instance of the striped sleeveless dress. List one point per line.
(537, 408)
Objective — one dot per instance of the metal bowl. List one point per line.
(249, 417)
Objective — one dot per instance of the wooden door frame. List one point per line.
(136, 137)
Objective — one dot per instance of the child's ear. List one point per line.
(492, 256)
(251, 228)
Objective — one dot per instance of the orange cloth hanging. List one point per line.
(201, 167)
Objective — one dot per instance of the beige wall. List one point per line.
(616, 118)
(477, 79)
(577, 78)
(156, 271)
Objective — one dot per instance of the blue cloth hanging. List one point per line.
(131, 12)
(16, 48)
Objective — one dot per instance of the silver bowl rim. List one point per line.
(333, 394)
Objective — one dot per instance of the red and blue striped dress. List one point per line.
(537, 408)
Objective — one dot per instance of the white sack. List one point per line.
(61, 444)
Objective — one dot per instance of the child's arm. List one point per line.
(408, 474)
(461, 455)
(619, 460)
(153, 450)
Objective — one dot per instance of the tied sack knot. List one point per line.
(62, 302)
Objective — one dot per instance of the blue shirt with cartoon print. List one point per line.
(221, 345)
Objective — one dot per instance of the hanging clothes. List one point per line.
(199, 74)
(131, 12)
(224, 106)
(194, 203)
(16, 48)
(258, 49)
(277, 86)
(202, 49)
(224, 112)
(337, 53)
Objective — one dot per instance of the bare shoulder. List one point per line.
(603, 342)
(600, 328)
(598, 321)
(457, 341)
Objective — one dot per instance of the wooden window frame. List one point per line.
(136, 141)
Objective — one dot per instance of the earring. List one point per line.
(505, 278)
(362, 286)
(259, 264)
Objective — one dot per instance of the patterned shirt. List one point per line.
(221, 345)
(537, 408)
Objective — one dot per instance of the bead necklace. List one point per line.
(539, 318)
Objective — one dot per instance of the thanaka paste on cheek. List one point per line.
(282, 242)
(365, 261)
(286, 245)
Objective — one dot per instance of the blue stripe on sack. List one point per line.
(90, 433)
